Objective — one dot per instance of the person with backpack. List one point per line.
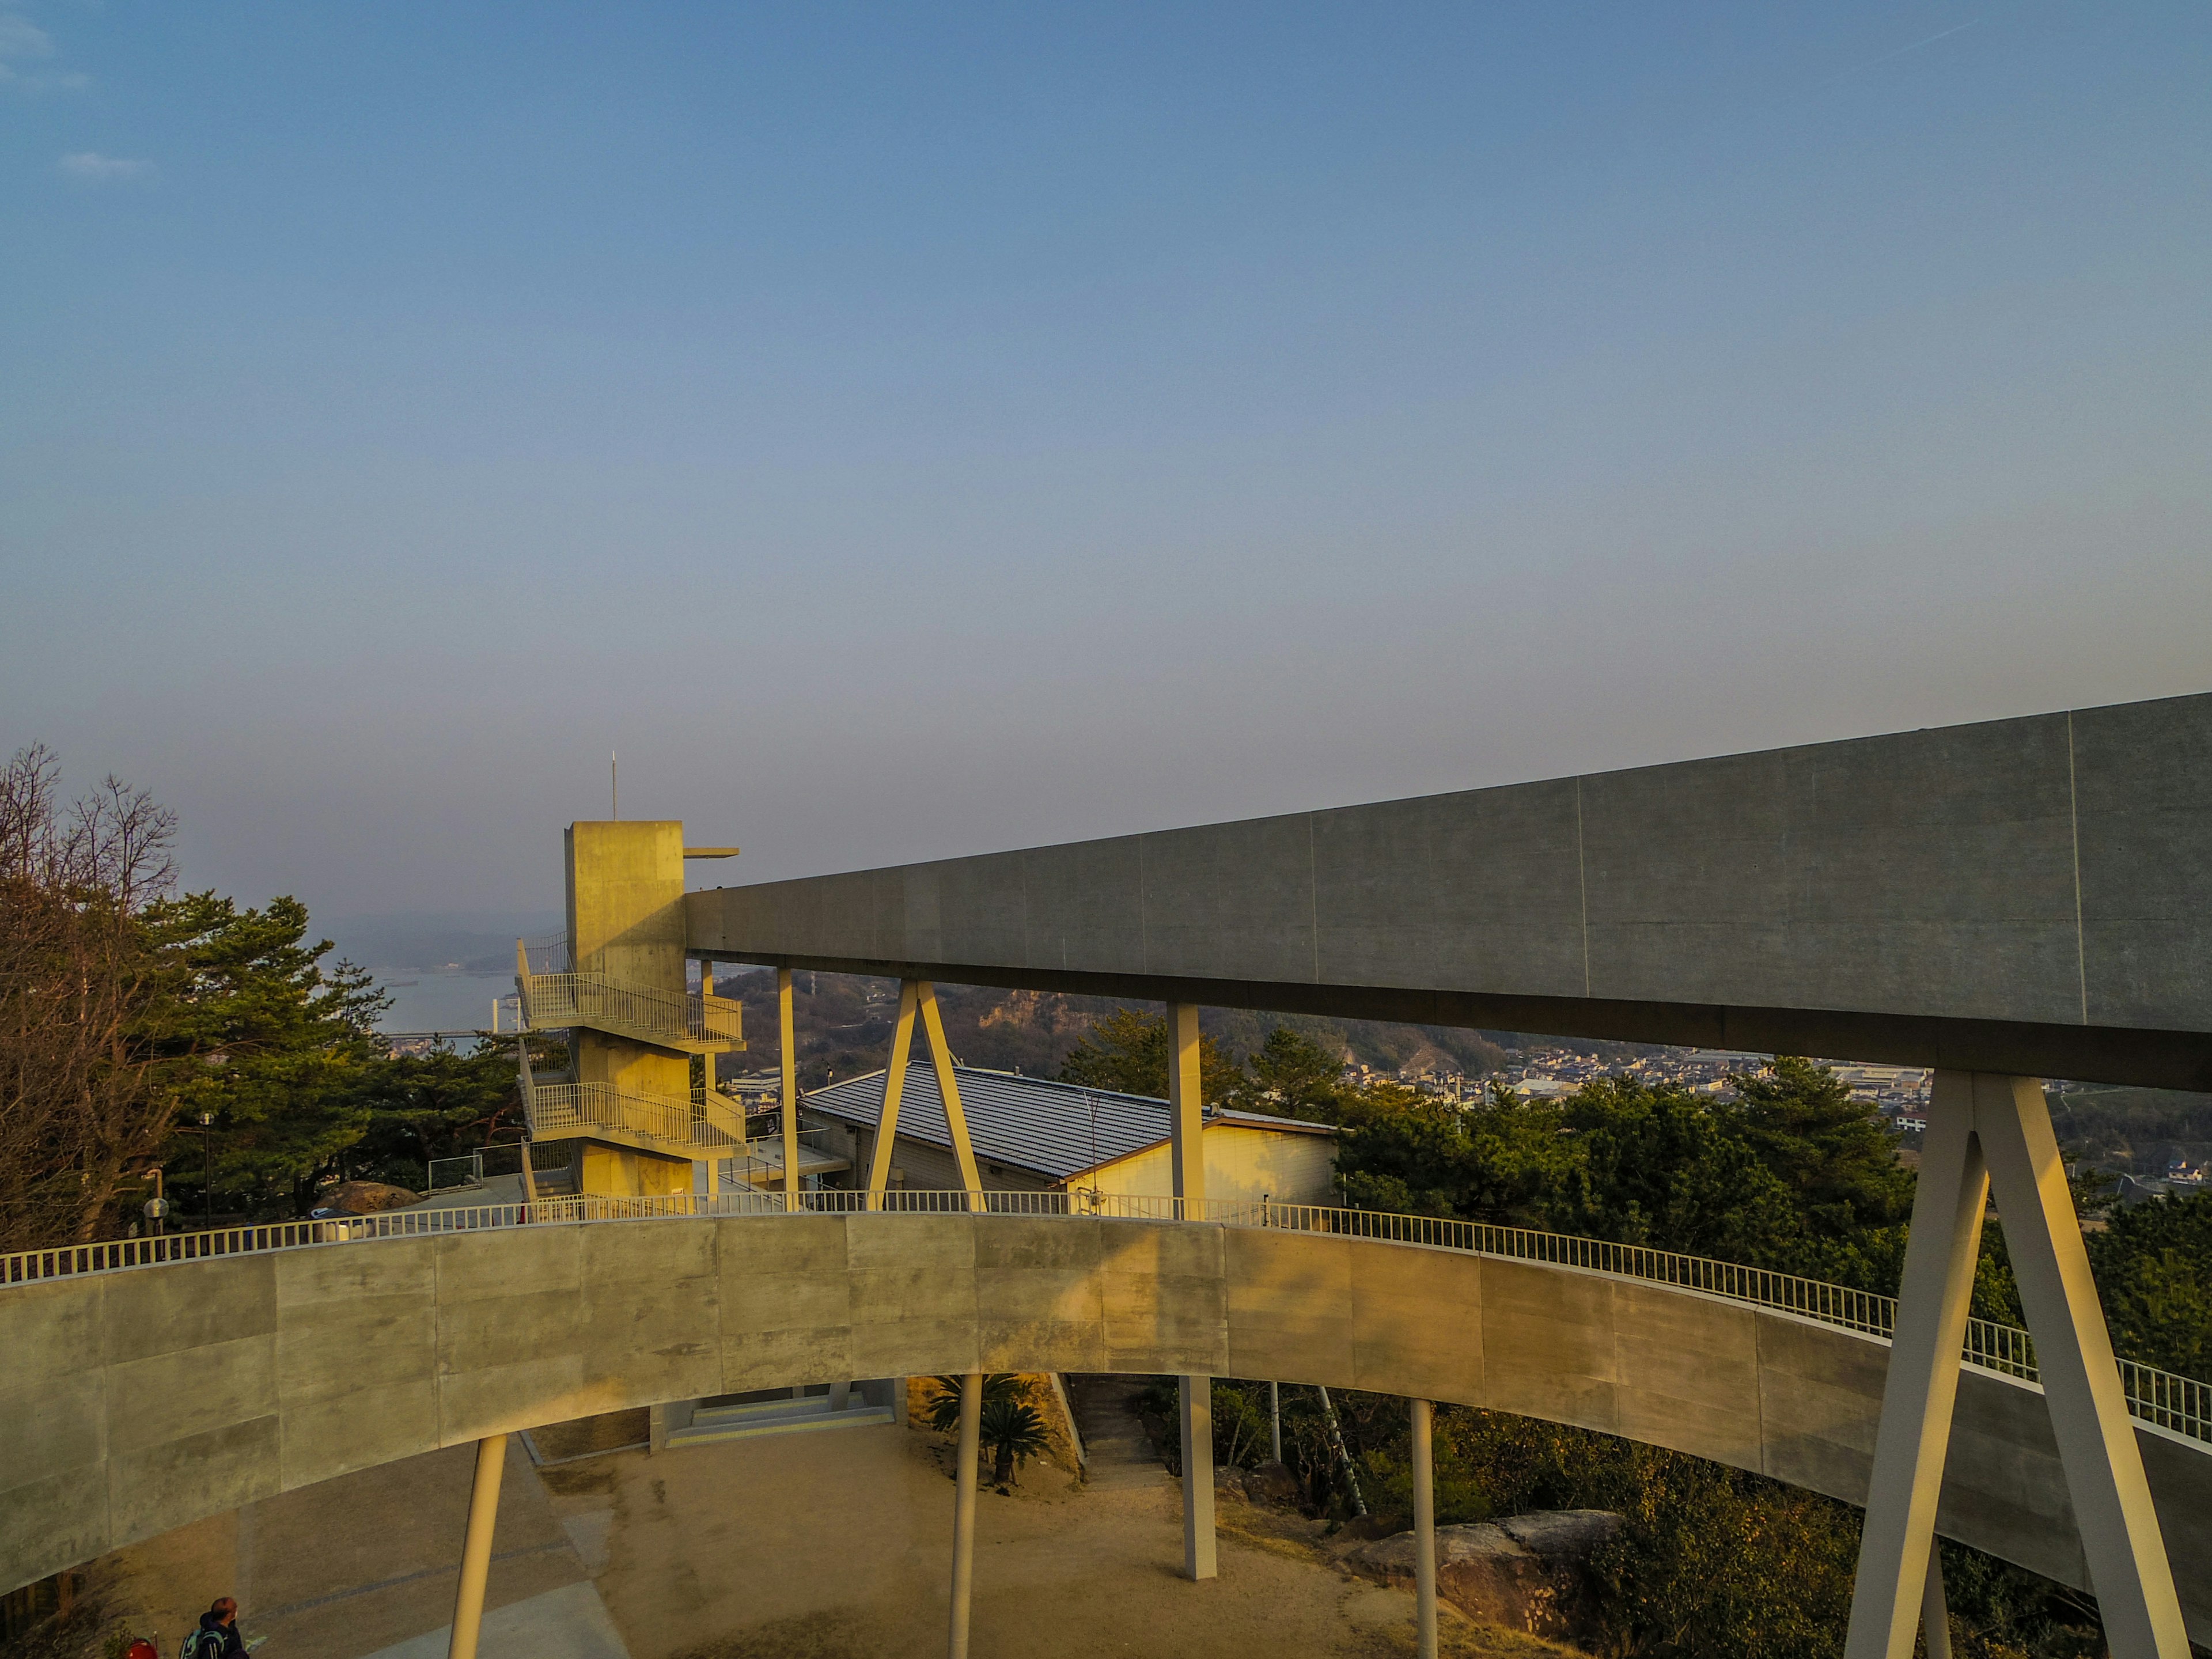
(217, 1638)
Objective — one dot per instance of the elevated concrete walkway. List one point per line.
(145, 1397)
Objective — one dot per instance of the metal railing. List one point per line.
(553, 1001)
(554, 1108)
(2180, 1404)
(763, 1153)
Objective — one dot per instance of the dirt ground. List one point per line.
(825, 1546)
(804, 1546)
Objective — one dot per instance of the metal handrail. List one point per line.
(555, 1002)
(555, 1107)
(2180, 1404)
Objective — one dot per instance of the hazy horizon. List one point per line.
(912, 432)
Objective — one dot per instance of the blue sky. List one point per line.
(908, 432)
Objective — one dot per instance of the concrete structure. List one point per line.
(1996, 901)
(638, 1095)
(304, 1364)
(1031, 1135)
(2025, 896)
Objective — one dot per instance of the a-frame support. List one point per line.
(921, 995)
(1988, 1131)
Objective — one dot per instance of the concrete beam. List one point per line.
(2024, 896)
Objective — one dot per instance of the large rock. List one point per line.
(1271, 1483)
(1525, 1571)
(367, 1197)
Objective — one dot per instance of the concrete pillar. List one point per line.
(1187, 1156)
(1275, 1421)
(1424, 1529)
(476, 1547)
(963, 1513)
(1186, 1111)
(788, 1045)
(948, 1090)
(879, 1164)
(1987, 1130)
(1195, 1396)
(2120, 1535)
(1923, 1383)
(1935, 1611)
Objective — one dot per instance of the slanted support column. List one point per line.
(1424, 1529)
(787, 1045)
(476, 1547)
(963, 1514)
(1936, 1610)
(1194, 1394)
(1987, 1130)
(948, 1090)
(879, 1162)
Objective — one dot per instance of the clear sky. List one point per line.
(903, 432)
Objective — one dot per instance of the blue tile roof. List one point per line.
(1045, 1127)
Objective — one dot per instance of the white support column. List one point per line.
(1195, 1395)
(1275, 1422)
(787, 1045)
(1984, 1129)
(2128, 1566)
(963, 1514)
(948, 1090)
(1935, 1610)
(476, 1547)
(1186, 1127)
(1922, 1384)
(1424, 1529)
(879, 1162)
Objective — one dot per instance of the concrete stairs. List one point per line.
(1120, 1454)
(757, 1419)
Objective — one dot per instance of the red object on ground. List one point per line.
(140, 1647)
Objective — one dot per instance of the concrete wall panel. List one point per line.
(189, 1391)
(2143, 787)
(787, 1312)
(1166, 1305)
(1083, 905)
(1549, 1344)
(2004, 1476)
(1038, 1289)
(913, 1281)
(377, 1422)
(153, 1488)
(55, 1427)
(1417, 1320)
(1688, 1372)
(53, 1330)
(1233, 899)
(1290, 1307)
(142, 1316)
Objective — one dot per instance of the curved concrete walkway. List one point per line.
(145, 1398)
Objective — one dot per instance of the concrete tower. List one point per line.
(639, 1095)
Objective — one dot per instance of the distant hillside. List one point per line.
(844, 1027)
